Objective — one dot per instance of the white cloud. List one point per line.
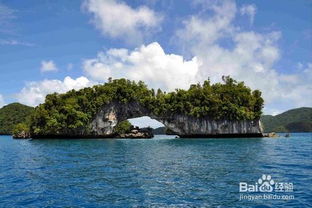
(148, 63)
(2, 103)
(70, 66)
(251, 58)
(249, 10)
(118, 20)
(6, 16)
(207, 31)
(15, 43)
(34, 92)
(299, 65)
(6, 12)
(47, 66)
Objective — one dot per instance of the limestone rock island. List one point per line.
(228, 109)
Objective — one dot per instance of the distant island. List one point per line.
(13, 114)
(294, 120)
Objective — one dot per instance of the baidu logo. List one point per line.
(265, 188)
(264, 184)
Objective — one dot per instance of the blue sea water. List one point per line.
(161, 172)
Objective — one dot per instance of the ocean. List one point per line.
(159, 172)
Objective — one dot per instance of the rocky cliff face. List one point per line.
(21, 135)
(185, 126)
(108, 117)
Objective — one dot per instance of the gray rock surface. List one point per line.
(21, 135)
(185, 126)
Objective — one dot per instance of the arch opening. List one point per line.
(145, 121)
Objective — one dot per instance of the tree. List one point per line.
(122, 127)
(20, 128)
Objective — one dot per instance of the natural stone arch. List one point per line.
(109, 116)
(185, 126)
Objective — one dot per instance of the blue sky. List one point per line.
(58, 45)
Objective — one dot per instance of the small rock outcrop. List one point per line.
(271, 134)
(138, 133)
(21, 135)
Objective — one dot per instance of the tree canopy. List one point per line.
(74, 110)
(13, 114)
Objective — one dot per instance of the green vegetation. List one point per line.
(231, 100)
(21, 127)
(301, 126)
(295, 120)
(123, 127)
(74, 110)
(13, 114)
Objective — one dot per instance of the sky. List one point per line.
(54, 46)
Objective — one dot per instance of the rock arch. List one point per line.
(185, 126)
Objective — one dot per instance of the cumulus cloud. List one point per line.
(208, 30)
(118, 20)
(148, 63)
(249, 10)
(2, 103)
(300, 88)
(34, 92)
(251, 58)
(47, 66)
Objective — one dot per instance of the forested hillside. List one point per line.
(295, 120)
(12, 114)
